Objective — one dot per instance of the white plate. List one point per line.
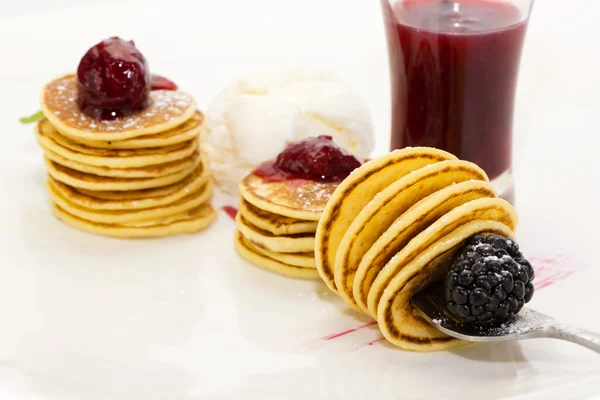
(86, 317)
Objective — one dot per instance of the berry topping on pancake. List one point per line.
(316, 158)
(113, 80)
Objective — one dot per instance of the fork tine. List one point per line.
(432, 307)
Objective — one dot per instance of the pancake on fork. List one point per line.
(280, 208)
(391, 228)
(407, 226)
(355, 192)
(395, 314)
(123, 160)
(391, 203)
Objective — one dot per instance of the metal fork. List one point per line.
(528, 324)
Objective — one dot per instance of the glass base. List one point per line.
(505, 186)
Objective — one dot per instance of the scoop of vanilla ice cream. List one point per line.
(254, 117)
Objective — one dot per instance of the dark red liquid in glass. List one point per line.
(454, 67)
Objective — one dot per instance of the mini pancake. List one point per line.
(192, 184)
(355, 192)
(81, 180)
(182, 216)
(146, 193)
(199, 218)
(246, 251)
(166, 110)
(305, 260)
(408, 225)
(299, 243)
(116, 158)
(374, 219)
(481, 209)
(190, 129)
(276, 224)
(297, 198)
(151, 171)
(119, 217)
(398, 320)
(45, 130)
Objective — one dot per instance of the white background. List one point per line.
(52, 273)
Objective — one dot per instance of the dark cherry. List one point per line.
(113, 80)
(158, 82)
(317, 158)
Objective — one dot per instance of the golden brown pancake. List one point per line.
(120, 217)
(189, 130)
(135, 176)
(131, 200)
(485, 209)
(407, 226)
(389, 204)
(45, 130)
(274, 223)
(246, 251)
(152, 171)
(398, 320)
(166, 110)
(299, 243)
(298, 199)
(395, 224)
(199, 218)
(146, 193)
(82, 180)
(306, 260)
(113, 158)
(356, 191)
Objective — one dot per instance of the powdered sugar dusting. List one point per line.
(526, 321)
(315, 195)
(164, 106)
(496, 258)
(298, 194)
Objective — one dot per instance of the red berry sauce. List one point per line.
(113, 80)
(231, 211)
(315, 159)
(158, 82)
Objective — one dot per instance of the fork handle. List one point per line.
(582, 337)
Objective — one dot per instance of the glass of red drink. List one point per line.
(454, 67)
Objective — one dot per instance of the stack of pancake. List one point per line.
(277, 221)
(136, 176)
(391, 229)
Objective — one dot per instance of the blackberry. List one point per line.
(489, 281)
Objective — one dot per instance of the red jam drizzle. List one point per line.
(158, 82)
(231, 211)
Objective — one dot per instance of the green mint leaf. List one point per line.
(33, 118)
